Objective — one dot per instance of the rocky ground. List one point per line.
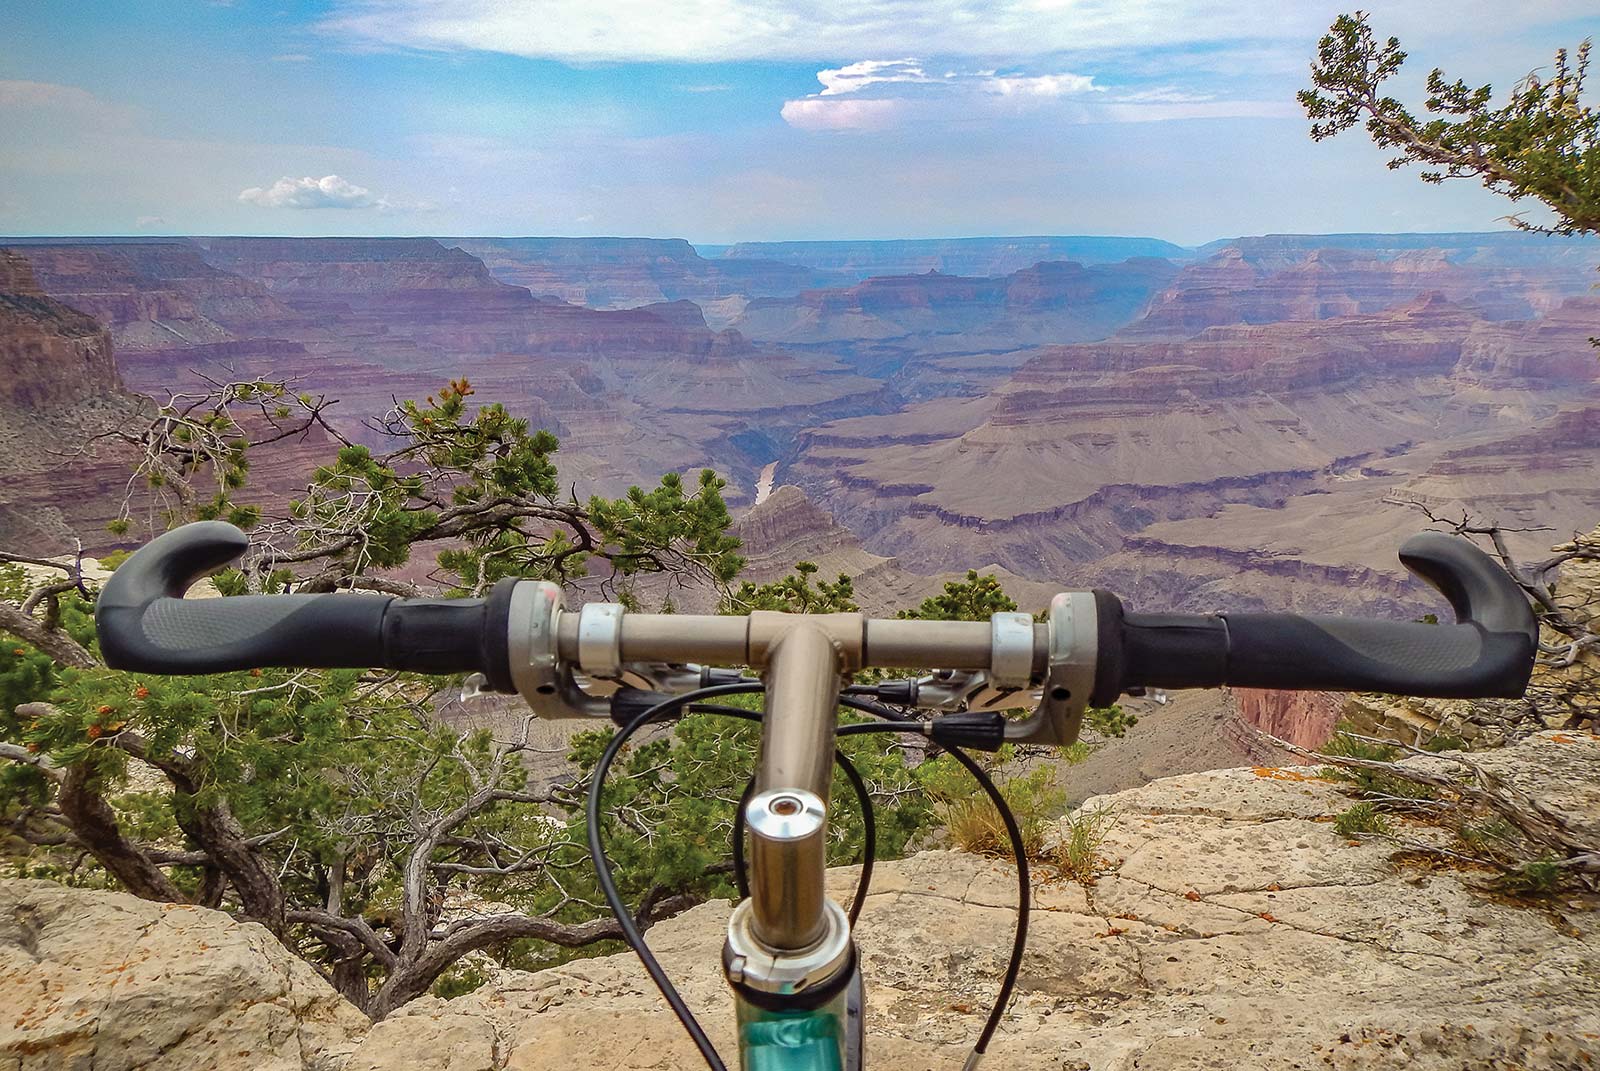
(1230, 927)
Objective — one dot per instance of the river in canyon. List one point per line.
(764, 484)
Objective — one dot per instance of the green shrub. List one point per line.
(1362, 818)
(1492, 834)
(1372, 783)
(1536, 877)
(460, 980)
(970, 818)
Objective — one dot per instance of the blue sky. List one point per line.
(718, 120)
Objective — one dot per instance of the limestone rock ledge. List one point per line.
(100, 981)
(1233, 929)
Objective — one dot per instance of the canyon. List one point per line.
(1254, 423)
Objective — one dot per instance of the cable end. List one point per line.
(981, 730)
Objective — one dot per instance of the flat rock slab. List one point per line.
(1229, 928)
(1232, 929)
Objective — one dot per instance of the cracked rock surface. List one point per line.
(1230, 928)
(1233, 930)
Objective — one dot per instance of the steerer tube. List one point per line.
(788, 841)
(788, 816)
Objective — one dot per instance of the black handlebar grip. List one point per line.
(1488, 652)
(145, 624)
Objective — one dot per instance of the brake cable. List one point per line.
(635, 938)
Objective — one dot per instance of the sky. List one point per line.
(721, 120)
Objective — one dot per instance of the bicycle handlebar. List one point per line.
(1488, 652)
(145, 624)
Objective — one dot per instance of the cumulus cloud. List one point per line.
(874, 94)
(854, 77)
(330, 191)
(1041, 85)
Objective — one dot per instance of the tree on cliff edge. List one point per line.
(338, 808)
(334, 807)
(1543, 143)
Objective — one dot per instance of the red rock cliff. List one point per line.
(53, 355)
(1303, 718)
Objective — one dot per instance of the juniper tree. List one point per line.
(1542, 143)
(334, 807)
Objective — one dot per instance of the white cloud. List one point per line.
(146, 222)
(698, 31)
(291, 57)
(707, 87)
(330, 191)
(835, 115)
(875, 94)
(1164, 95)
(854, 77)
(1041, 85)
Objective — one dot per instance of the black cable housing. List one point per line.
(894, 722)
(1019, 941)
(869, 821)
(602, 866)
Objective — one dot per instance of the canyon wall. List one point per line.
(1247, 465)
(52, 354)
(1060, 301)
(1261, 436)
(618, 273)
(1305, 719)
(61, 403)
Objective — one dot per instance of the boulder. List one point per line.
(106, 981)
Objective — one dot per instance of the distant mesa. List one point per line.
(956, 256)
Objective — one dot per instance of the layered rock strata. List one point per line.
(1275, 465)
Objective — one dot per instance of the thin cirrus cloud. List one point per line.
(51, 99)
(330, 191)
(698, 31)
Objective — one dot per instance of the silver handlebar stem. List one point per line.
(803, 674)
